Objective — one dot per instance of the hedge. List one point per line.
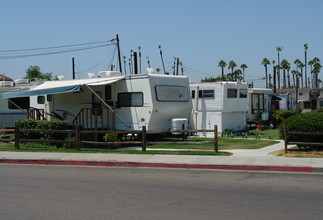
(280, 115)
(307, 122)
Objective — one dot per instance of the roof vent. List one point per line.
(109, 73)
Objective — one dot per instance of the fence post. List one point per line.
(285, 138)
(17, 136)
(144, 140)
(77, 136)
(216, 147)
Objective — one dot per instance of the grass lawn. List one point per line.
(309, 152)
(183, 149)
(264, 134)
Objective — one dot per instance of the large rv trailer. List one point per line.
(12, 110)
(221, 103)
(120, 102)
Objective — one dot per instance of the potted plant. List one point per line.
(259, 125)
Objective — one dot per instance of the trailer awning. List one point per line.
(64, 86)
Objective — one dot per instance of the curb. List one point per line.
(164, 165)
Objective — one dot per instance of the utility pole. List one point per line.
(119, 56)
(274, 79)
(135, 62)
(73, 67)
(177, 66)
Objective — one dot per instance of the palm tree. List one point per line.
(284, 66)
(274, 74)
(265, 62)
(131, 54)
(243, 67)
(158, 70)
(301, 65)
(305, 47)
(130, 66)
(288, 76)
(278, 70)
(161, 56)
(238, 74)
(222, 64)
(316, 71)
(231, 66)
(311, 63)
(139, 48)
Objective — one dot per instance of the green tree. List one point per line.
(238, 75)
(222, 64)
(285, 66)
(265, 62)
(243, 67)
(316, 70)
(231, 66)
(33, 73)
(301, 65)
(278, 69)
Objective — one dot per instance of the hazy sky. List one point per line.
(200, 33)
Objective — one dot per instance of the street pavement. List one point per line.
(258, 159)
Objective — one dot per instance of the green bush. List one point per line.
(320, 109)
(308, 122)
(42, 125)
(110, 137)
(279, 115)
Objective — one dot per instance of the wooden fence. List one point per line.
(288, 142)
(143, 133)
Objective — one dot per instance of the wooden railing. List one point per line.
(88, 119)
(34, 113)
(78, 140)
(301, 133)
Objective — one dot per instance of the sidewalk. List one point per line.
(240, 160)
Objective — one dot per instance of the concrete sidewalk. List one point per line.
(240, 160)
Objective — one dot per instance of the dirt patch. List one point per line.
(300, 152)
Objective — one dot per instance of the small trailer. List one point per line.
(220, 103)
(113, 101)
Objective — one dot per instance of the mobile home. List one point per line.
(220, 103)
(114, 101)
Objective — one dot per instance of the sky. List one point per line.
(200, 33)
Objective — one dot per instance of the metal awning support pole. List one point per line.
(104, 103)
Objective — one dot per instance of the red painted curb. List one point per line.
(165, 165)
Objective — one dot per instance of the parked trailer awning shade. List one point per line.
(64, 86)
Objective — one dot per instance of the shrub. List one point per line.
(279, 115)
(42, 125)
(110, 137)
(320, 109)
(308, 122)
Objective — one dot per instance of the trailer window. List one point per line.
(108, 92)
(17, 103)
(130, 99)
(193, 94)
(172, 93)
(307, 105)
(258, 104)
(49, 98)
(243, 93)
(41, 99)
(232, 93)
(321, 103)
(206, 93)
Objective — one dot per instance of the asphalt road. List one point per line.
(63, 192)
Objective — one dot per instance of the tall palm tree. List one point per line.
(284, 66)
(231, 66)
(311, 63)
(139, 48)
(222, 64)
(288, 76)
(238, 74)
(243, 67)
(278, 69)
(301, 65)
(274, 74)
(161, 56)
(265, 62)
(305, 47)
(316, 70)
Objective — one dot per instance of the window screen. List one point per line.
(172, 93)
(134, 99)
(232, 93)
(243, 93)
(16, 103)
(41, 99)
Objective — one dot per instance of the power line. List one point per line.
(55, 47)
(51, 53)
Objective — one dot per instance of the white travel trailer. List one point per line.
(221, 103)
(14, 109)
(114, 101)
